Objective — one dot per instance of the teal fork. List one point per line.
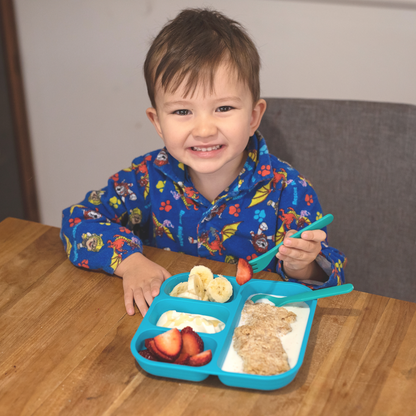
(259, 263)
(305, 296)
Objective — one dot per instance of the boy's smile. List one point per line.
(208, 130)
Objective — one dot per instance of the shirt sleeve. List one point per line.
(98, 232)
(299, 206)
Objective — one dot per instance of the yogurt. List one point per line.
(292, 342)
(199, 323)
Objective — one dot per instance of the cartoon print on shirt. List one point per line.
(336, 271)
(135, 217)
(264, 191)
(123, 189)
(161, 229)
(287, 218)
(92, 242)
(260, 239)
(280, 176)
(252, 154)
(134, 220)
(231, 259)
(219, 237)
(186, 193)
(71, 209)
(215, 212)
(261, 194)
(142, 168)
(118, 250)
(304, 182)
(90, 214)
(68, 245)
(95, 197)
(161, 158)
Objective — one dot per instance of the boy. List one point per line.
(214, 190)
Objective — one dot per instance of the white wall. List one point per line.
(82, 62)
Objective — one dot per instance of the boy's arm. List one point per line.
(97, 234)
(94, 231)
(309, 259)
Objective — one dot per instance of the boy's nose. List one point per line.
(204, 127)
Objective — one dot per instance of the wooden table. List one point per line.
(65, 346)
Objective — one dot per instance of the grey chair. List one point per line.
(361, 160)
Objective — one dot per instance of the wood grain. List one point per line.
(65, 346)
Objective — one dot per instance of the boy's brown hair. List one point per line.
(193, 45)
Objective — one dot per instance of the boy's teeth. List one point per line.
(206, 149)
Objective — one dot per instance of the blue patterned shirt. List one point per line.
(153, 202)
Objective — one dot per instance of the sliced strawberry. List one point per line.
(169, 343)
(182, 359)
(146, 354)
(156, 353)
(244, 271)
(202, 358)
(191, 342)
(146, 342)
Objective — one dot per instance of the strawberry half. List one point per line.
(169, 343)
(202, 358)
(244, 271)
(182, 359)
(156, 353)
(192, 343)
(146, 354)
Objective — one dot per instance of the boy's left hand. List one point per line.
(299, 254)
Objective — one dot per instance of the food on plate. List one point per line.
(204, 273)
(199, 323)
(188, 295)
(192, 342)
(202, 285)
(164, 347)
(195, 286)
(257, 341)
(244, 271)
(200, 359)
(146, 354)
(182, 359)
(179, 288)
(219, 290)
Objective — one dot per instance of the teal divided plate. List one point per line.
(220, 342)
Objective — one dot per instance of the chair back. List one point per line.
(361, 160)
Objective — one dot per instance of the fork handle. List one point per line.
(317, 225)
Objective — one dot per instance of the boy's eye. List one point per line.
(182, 112)
(224, 108)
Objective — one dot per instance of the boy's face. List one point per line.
(208, 131)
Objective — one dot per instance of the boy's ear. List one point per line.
(152, 116)
(257, 115)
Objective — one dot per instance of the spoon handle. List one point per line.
(316, 294)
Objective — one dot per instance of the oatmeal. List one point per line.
(257, 340)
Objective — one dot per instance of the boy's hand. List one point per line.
(299, 254)
(141, 281)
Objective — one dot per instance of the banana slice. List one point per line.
(179, 288)
(219, 290)
(188, 295)
(196, 286)
(204, 273)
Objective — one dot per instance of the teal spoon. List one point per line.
(259, 263)
(305, 296)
